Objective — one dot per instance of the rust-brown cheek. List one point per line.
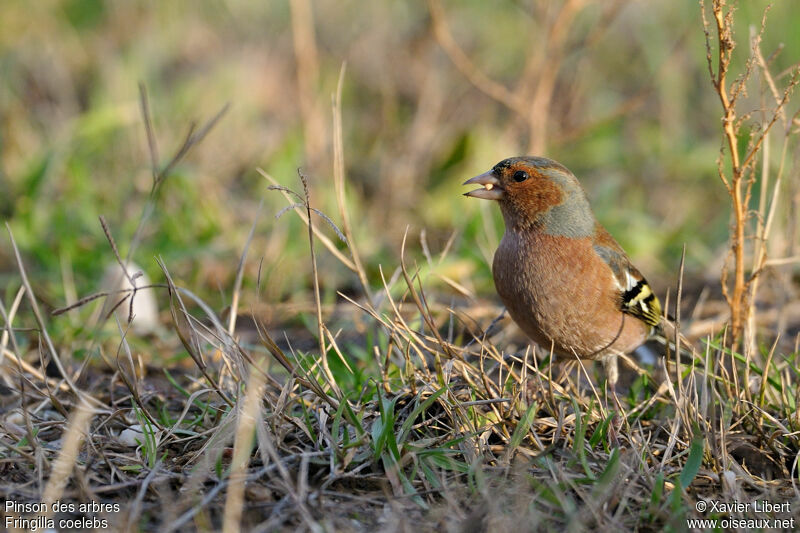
(527, 200)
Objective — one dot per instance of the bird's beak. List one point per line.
(491, 187)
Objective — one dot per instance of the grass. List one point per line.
(330, 356)
(415, 412)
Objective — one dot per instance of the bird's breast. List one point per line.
(560, 293)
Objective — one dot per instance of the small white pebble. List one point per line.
(145, 307)
(15, 417)
(14, 423)
(128, 437)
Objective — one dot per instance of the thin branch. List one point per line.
(777, 114)
(148, 127)
(463, 63)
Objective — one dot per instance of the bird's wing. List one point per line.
(636, 296)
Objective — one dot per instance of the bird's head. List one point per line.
(535, 192)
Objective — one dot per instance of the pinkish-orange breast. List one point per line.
(560, 292)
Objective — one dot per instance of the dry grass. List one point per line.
(456, 432)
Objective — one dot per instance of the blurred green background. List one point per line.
(619, 92)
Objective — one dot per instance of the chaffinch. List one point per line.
(563, 278)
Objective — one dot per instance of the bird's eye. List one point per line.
(520, 175)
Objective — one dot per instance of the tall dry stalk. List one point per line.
(742, 175)
(307, 71)
(533, 95)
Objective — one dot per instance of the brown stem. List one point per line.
(730, 128)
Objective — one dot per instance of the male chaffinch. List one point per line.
(563, 278)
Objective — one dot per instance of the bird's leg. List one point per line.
(612, 375)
